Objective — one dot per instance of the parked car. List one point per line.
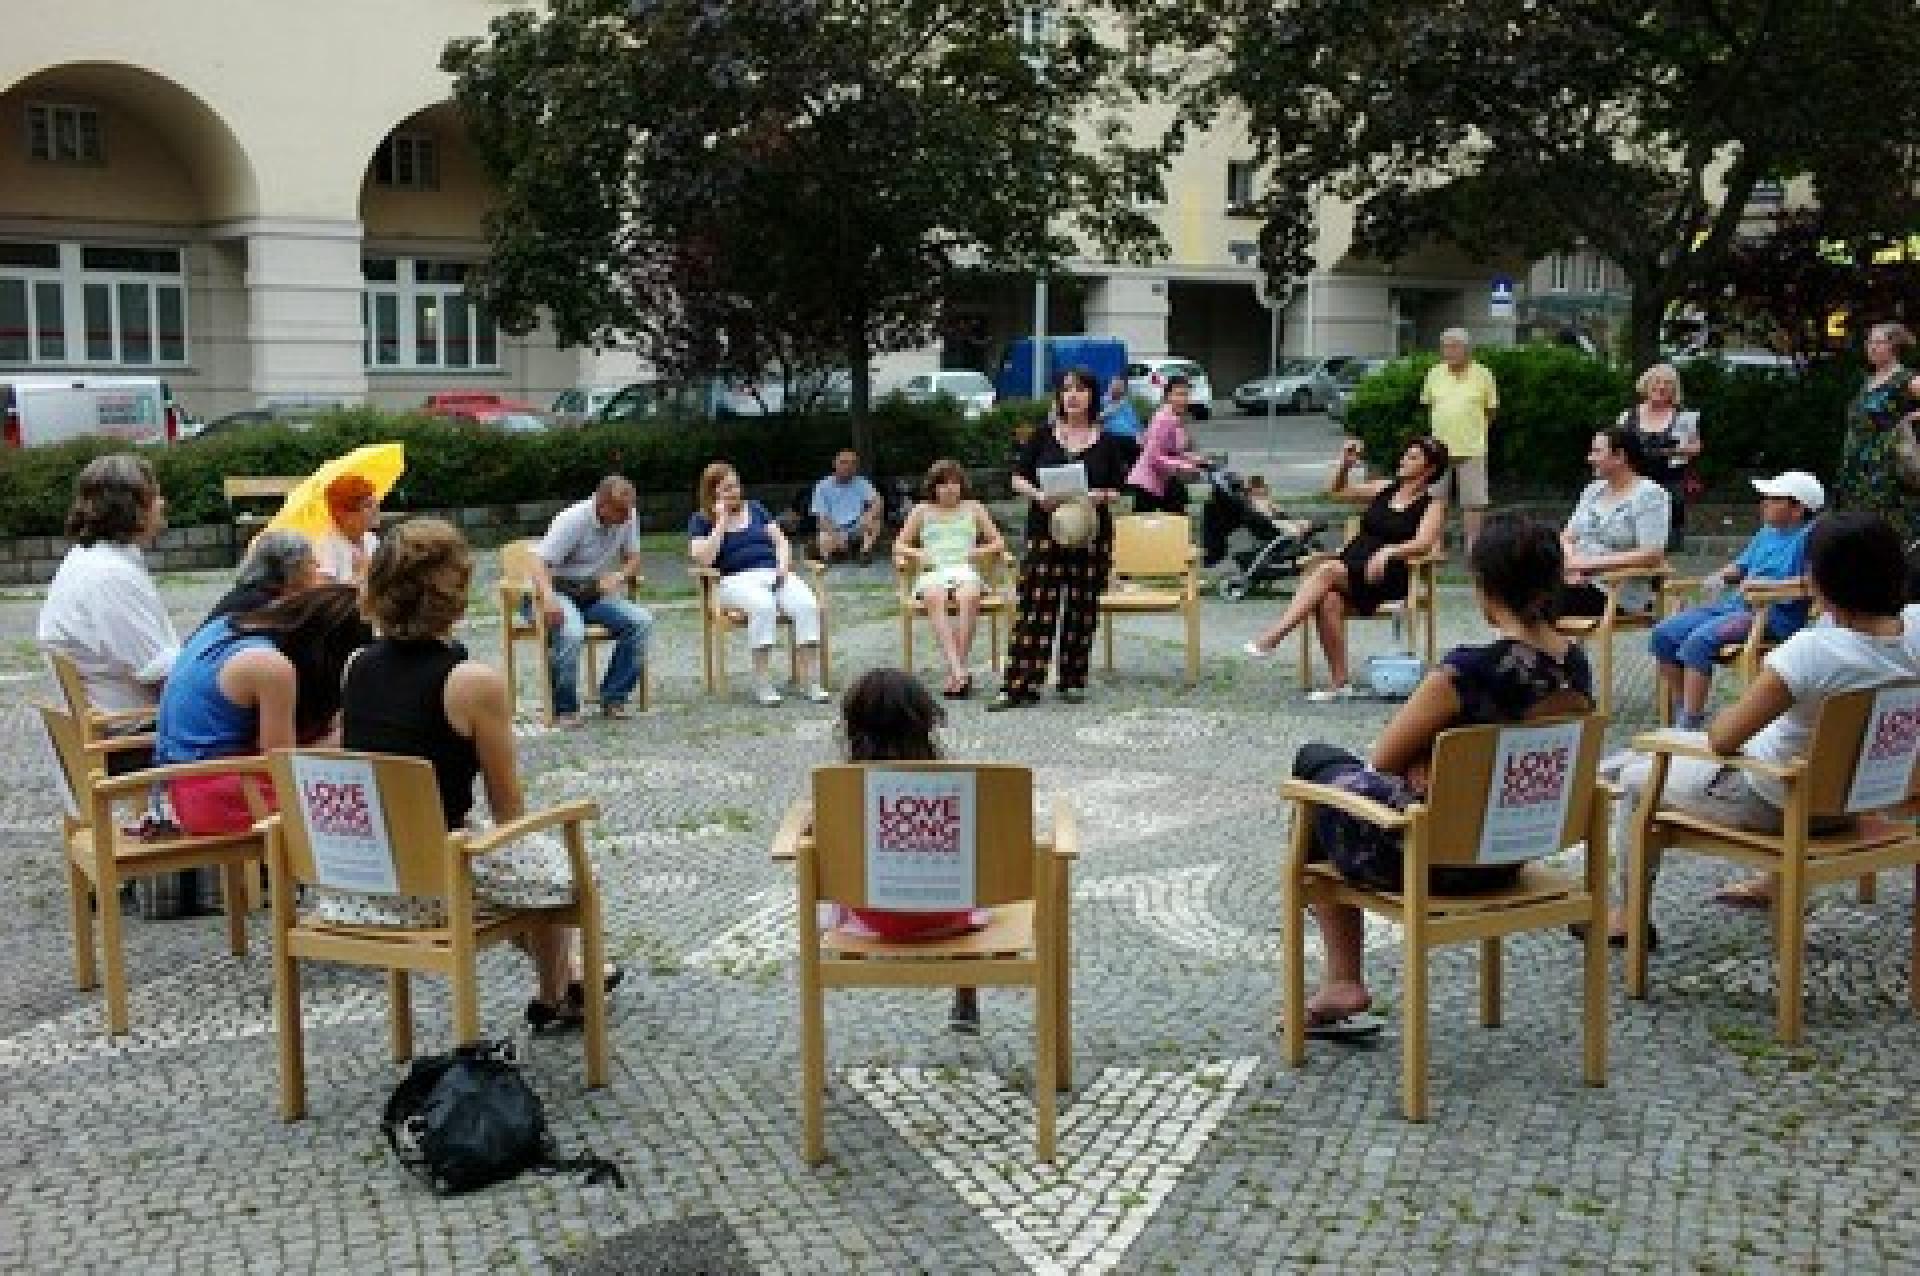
(1147, 379)
(972, 390)
(581, 404)
(1761, 362)
(486, 408)
(298, 417)
(1105, 357)
(1356, 371)
(1303, 385)
(36, 410)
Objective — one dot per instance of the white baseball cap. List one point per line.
(1798, 484)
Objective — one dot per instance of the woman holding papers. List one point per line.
(1070, 472)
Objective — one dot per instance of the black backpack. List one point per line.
(469, 1119)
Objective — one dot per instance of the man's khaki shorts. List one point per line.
(1466, 483)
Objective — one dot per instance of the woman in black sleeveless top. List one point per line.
(415, 693)
(1403, 520)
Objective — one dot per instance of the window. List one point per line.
(64, 134)
(1560, 267)
(1596, 273)
(113, 304)
(418, 315)
(407, 161)
(1240, 186)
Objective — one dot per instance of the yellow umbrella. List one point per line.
(305, 510)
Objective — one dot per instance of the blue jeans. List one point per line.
(629, 624)
(1692, 637)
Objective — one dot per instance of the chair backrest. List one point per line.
(1512, 792)
(515, 560)
(1862, 755)
(65, 760)
(923, 836)
(1152, 544)
(66, 677)
(362, 822)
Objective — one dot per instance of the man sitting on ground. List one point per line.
(847, 510)
(581, 571)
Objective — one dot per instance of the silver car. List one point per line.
(1303, 385)
(1356, 371)
(972, 390)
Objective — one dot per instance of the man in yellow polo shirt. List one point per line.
(1462, 397)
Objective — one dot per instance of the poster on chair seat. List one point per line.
(921, 832)
(1528, 793)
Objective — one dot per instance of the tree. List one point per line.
(1637, 128)
(733, 184)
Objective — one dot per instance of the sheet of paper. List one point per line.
(1064, 480)
(340, 802)
(1527, 797)
(920, 832)
(1885, 770)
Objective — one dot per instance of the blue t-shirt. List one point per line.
(1777, 553)
(1119, 418)
(197, 722)
(744, 550)
(842, 503)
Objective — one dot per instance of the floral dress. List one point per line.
(1869, 475)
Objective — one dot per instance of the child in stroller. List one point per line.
(1279, 543)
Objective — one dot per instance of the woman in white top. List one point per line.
(944, 532)
(1621, 521)
(343, 553)
(1858, 572)
(1669, 433)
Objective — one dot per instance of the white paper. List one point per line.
(1885, 770)
(50, 755)
(340, 805)
(1063, 480)
(921, 832)
(1527, 799)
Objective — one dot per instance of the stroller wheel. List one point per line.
(1232, 588)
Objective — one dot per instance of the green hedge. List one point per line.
(1552, 399)
(451, 465)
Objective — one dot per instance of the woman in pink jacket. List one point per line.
(1158, 479)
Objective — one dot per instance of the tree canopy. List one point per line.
(1637, 128)
(738, 184)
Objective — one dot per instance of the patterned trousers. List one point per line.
(1063, 583)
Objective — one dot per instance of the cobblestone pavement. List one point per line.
(1187, 1146)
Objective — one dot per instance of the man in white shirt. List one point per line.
(582, 569)
(103, 609)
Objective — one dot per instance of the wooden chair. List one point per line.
(1742, 657)
(1597, 632)
(996, 597)
(1022, 877)
(1447, 829)
(114, 731)
(1799, 859)
(522, 620)
(716, 622)
(100, 856)
(1418, 611)
(1155, 569)
(419, 857)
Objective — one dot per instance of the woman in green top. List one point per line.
(944, 532)
(1869, 475)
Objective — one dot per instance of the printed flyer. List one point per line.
(1884, 772)
(1527, 799)
(921, 832)
(341, 805)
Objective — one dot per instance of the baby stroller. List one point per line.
(1279, 543)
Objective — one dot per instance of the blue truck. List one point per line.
(1105, 357)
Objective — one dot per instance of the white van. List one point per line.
(36, 410)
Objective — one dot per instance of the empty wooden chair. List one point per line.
(1155, 569)
(996, 598)
(717, 621)
(100, 854)
(1417, 612)
(979, 819)
(1878, 791)
(523, 620)
(1495, 792)
(1596, 633)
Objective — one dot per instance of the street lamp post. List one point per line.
(1036, 37)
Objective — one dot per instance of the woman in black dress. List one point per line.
(1403, 520)
(1057, 574)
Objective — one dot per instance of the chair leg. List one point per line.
(1913, 964)
(1046, 1057)
(545, 669)
(1594, 1011)
(591, 692)
(1490, 973)
(1605, 638)
(80, 911)
(286, 1009)
(1413, 1040)
(718, 683)
(400, 1013)
(1106, 631)
(706, 655)
(1063, 984)
(593, 958)
(1639, 906)
(113, 944)
(466, 1000)
(1293, 963)
(233, 898)
(1193, 643)
(813, 1074)
(1869, 887)
(1790, 924)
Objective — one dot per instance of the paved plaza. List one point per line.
(1187, 1145)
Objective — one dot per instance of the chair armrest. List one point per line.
(1674, 586)
(120, 744)
(698, 572)
(793, 830)
(577, 811)
(1775, 591)
(120, 717)
(1311, 794)
(140, 781)
(1616, 575)
(1675, 746)
(1066, 829)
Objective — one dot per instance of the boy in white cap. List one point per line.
(1685, 644)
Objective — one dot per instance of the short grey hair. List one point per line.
(1456, 334)
(274, 560)
(614, 487)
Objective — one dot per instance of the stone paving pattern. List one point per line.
(1711, 1149)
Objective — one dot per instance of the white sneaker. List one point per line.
(766, 695)
(818, 694)
(1256, 651)
(1328, 695)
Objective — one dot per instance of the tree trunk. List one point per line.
(860, 397)
(1648, 311)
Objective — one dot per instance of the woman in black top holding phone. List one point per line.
(1069, 546)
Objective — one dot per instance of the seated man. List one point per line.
(846, 510)
(1685, 644)
(581, 571)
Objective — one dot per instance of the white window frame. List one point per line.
(422, 151)
(407, 292)
(1559, 267)
(1596, 273)
(51, 114)
(73, 278)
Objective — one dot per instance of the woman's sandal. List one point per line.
(551, 1021)
(1007, 700)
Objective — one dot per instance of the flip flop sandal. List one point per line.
(1362, 1025)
